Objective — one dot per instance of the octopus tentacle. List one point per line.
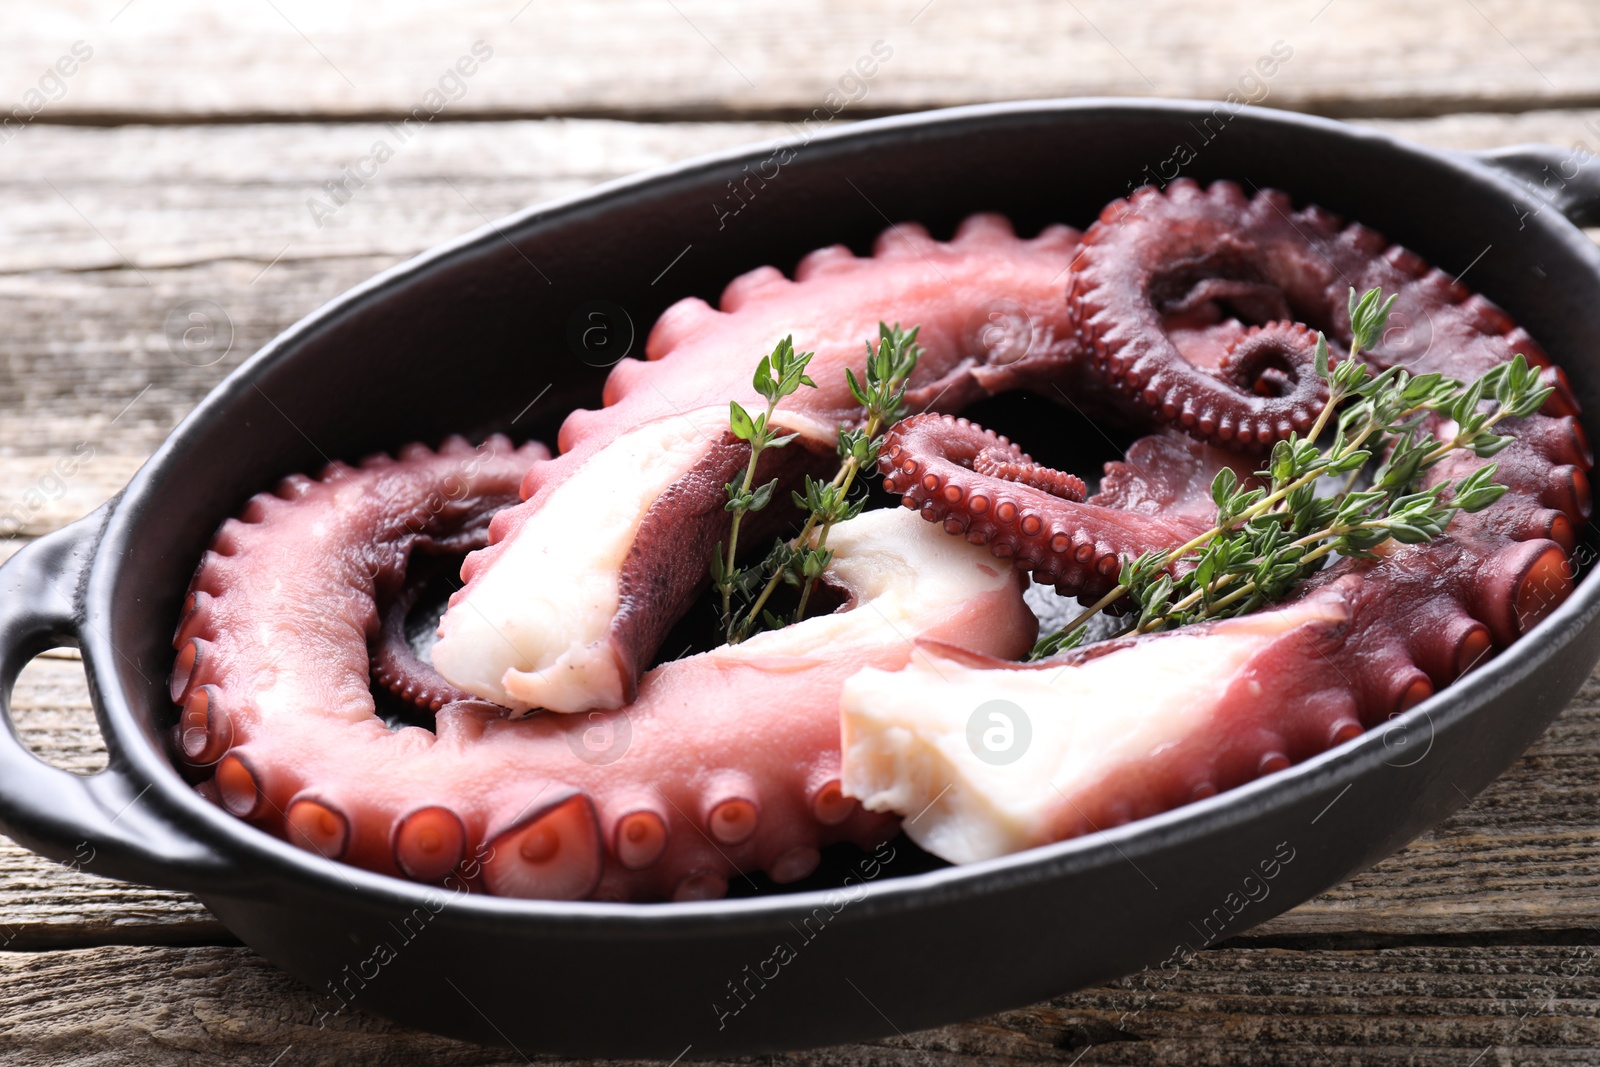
(667, 799)
(1139, 725)
(1157, 261)
(386, 508)
(1011, 464)
(632, 507)
(979, 485)
(395, 664)
(1143, 725)
(1191, 310)
(1169, 279)
(1260, 360)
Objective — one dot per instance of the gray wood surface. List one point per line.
(1473, 945)
(182, 1006)
(175, 60)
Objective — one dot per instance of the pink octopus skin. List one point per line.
(1361, 640)
(700, 357)
(728, 761)
(1211, 251)
(388, 508)
(540, 820)
(1355, 645)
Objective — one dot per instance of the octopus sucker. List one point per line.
(236, 787)
(204, 731)
(429, 843)
(700, 885)
(731, 820)
(317, 826)
(794, 865)
(829, 805)
(639, 838)
(552, 851)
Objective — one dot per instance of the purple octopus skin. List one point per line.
(1356, 643)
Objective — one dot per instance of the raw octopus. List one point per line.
(1188, 311)
(1129, 728)
(273, 678)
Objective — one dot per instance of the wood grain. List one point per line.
(180, 60)
(99, 201)
(165, 1007)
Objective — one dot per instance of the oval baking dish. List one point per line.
(466, 338)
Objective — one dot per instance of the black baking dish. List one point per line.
(461, 339)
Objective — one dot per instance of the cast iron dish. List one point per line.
(462, 338)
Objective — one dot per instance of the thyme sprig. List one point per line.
(1268, 538)
(777, 375)
(882, 395)
(801, 560)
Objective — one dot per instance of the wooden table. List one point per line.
(177, 162)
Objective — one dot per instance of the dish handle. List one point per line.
(102, 823)
(1567, 179)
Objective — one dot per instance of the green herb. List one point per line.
(1267, 539)
(777, 375)
(801, 561)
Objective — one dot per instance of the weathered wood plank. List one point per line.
(1421, 1005)
(217, 192)
(1523, 855)
(219, 214)
(175, 59)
